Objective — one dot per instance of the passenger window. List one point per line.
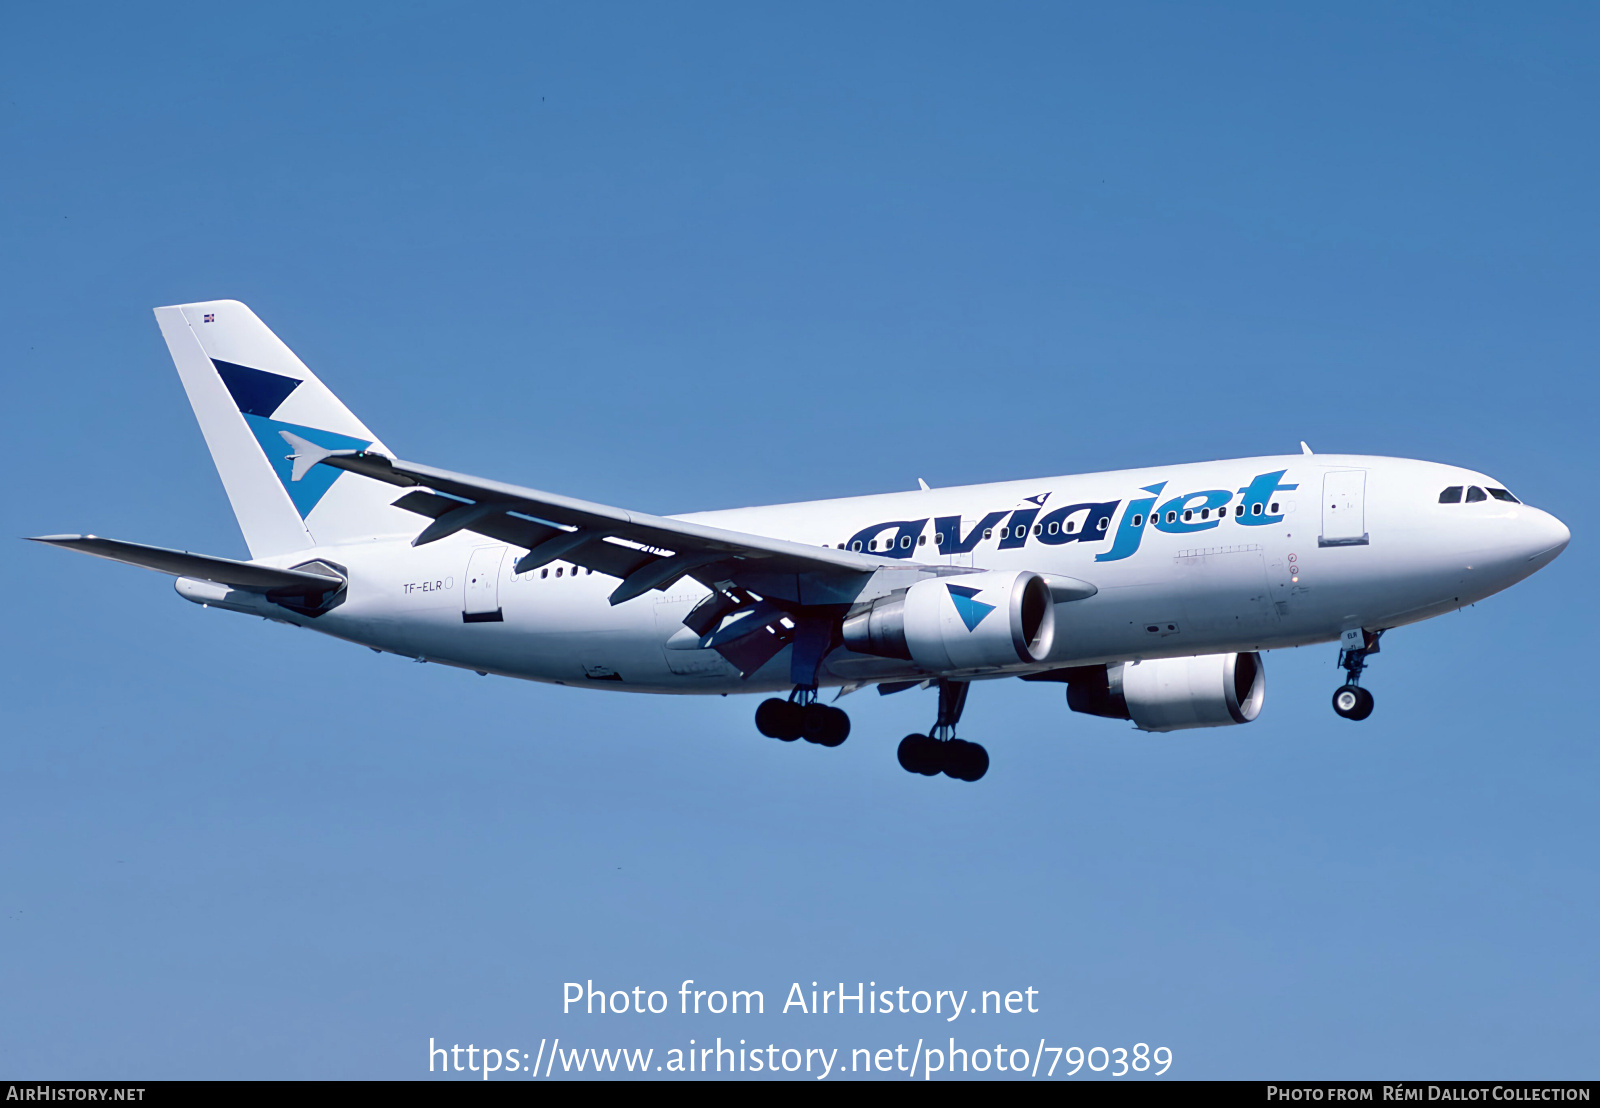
(1138, 521)
(1104, 523)
(1502, 494)
(1172, 517)
(1038, 528)
(922, 540)
(1451, 495)
(939, 538)
(1054, 527)
(1475, 494)
(545, 572)
(988, 532)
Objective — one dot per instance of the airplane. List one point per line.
(1150, 594)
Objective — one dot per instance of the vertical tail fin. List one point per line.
(246, 387)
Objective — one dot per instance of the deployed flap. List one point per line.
(180, 563)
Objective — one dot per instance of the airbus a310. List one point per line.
(1150, 594)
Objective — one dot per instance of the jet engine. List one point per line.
(1171, 694)
(985, 620)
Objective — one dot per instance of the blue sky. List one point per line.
(708, 256)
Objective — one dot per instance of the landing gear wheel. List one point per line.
(780, 719)
(920, 754)
(908, 753)
(1352, 702)
(965, 761)
(824, 725)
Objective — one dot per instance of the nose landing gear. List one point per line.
(802, 717)
(942, 752)
(1350, 700)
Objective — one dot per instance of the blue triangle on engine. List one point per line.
(972, 612)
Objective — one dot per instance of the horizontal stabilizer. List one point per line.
(307, 454)
(180, 563)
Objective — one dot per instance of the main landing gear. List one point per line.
(1350, 700)
(942, 752)
(802, 717)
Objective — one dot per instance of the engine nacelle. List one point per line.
(966, 621)
(1171, 694)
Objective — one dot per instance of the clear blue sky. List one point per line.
(687, 257)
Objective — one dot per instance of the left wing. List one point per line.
(645, 551)
(780, 591)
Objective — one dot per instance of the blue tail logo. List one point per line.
(259, 394)
(972, 612)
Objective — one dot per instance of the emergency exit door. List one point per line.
(480, 600)
(1344, 508)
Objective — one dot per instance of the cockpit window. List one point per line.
(1451, 495)
(1475, 494)
(1502, 494)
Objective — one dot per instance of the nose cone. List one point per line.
(1545, 537)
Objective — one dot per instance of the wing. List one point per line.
(764, 592)
(644, 551)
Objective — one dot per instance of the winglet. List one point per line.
(924, 485)
(307, 454)
(1304, 449)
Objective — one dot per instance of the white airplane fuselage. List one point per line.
(1291, 550)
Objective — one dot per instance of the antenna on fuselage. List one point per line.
(1304, 449)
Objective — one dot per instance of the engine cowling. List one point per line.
(1172, 694)
(985, 620)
